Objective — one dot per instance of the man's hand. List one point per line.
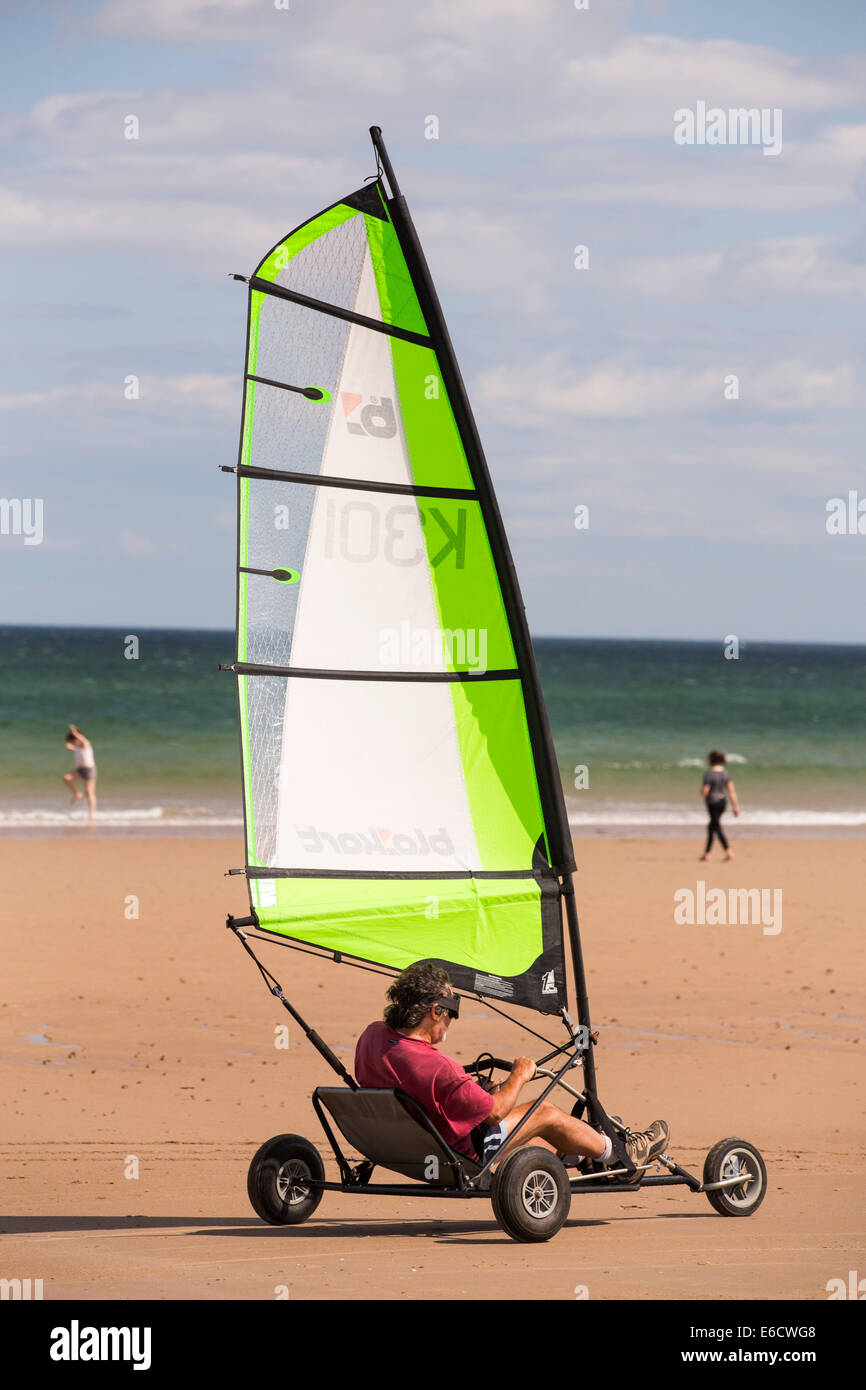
(523, 1069)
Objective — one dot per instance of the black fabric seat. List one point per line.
(391, 1130)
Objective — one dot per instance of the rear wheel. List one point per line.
(278, 1180)
(531, 1194)
(734, 1158)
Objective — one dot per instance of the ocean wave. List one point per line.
(701, 762)
(655, 814)
(150, 815)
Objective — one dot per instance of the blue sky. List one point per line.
(602, 386)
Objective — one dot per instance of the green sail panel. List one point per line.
(393, 802)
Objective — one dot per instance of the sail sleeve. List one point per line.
(396, 788)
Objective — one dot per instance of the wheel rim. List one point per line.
(290, 1184)
(539, 1193)
(741, 1163)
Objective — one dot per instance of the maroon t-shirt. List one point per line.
(447, 1095)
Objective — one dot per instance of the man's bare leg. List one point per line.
(558, 1131)
(90, 788)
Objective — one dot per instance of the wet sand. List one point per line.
(152, 1039)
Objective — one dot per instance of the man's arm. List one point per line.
(505, 1098)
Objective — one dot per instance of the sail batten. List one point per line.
(399, 804)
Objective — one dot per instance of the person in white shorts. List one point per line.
(85, 768)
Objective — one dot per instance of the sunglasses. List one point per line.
(449, 1005)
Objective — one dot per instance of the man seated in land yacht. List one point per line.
(401, 1052)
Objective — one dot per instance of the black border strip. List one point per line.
(544, 878)
(334, 310)
(330, 953)
(244, 668)
(357, 485)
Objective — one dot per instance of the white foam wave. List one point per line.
(655, 814)
(131, 816)
(702, 762)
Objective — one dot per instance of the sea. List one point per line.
(632, 723)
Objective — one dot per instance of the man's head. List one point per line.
(423, 1000)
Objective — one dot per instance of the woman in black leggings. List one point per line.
(717, 785)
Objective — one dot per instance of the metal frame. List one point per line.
(357, 1178)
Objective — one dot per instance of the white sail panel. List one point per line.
(365, 582)
(366, 438)
(371, 778)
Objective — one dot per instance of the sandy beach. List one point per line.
(151, 1038)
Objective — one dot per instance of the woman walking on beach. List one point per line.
(717, 785)
(85, 768)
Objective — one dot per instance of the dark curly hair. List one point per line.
(716, 757)
(414, 993)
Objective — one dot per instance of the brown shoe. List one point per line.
(642, 1148)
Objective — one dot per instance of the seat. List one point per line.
(391, 1130)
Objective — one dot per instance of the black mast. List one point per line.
(550, 785)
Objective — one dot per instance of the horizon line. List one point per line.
(536, 637)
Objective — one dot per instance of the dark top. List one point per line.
(717, 779)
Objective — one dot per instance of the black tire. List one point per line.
(275, 1183)
(531, 1194)
(725, 1160)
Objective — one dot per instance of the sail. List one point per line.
(401, 801)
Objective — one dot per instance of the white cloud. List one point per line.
(814, 266)
(618, 390)
(141, 545)
(254, 21)
(185, 21)
(159, 394)
(634, 88)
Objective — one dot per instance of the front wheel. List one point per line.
(531, 1194)
(734, 1158)
(278, 1180)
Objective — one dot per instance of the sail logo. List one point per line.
(363, 533)
(548, 982)
(376, 419)
(377, 840)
